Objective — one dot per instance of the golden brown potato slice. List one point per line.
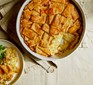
(54, 31)
(39, 19)
(45, 40)
(40, 52)
(75, 14)
(37, 40)
(56, 20)
(75, 27)
(51, 17)
(46, 28)
(37, 8)
(50, 40)
(56, 25)
(40, 6)
(31, 43)
(60, 1)
(27, 14)
(68, 11)
(26, 38)
(26, 23)
(45, 36)
(71, 12)
(36, 27)
(37, 1)
(30, 5)
(57, 7)
(32, 48)
(45, 1)
(63, 19)
(33, 12)
(33, 5)
(29, 33)
(68, 23)
(34, 42)
(44, 43)
(45, 50)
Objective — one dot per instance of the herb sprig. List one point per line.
(2, 52)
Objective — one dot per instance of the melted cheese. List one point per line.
(58, 39)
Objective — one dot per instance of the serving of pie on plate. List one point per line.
(50, 27)
(11, 63)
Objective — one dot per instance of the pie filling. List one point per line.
(50, 26)
(56, 42)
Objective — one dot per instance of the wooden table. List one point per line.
(77, 69)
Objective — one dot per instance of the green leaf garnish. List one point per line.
(2, 55)
(2, 47)
(2, 52)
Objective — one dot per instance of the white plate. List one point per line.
(20, 62)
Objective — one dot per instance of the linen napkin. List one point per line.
(8, 14)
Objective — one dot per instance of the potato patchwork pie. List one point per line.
(50, 26)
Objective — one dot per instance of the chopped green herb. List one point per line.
(2, 47)
(2, 55)
(2, 52)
